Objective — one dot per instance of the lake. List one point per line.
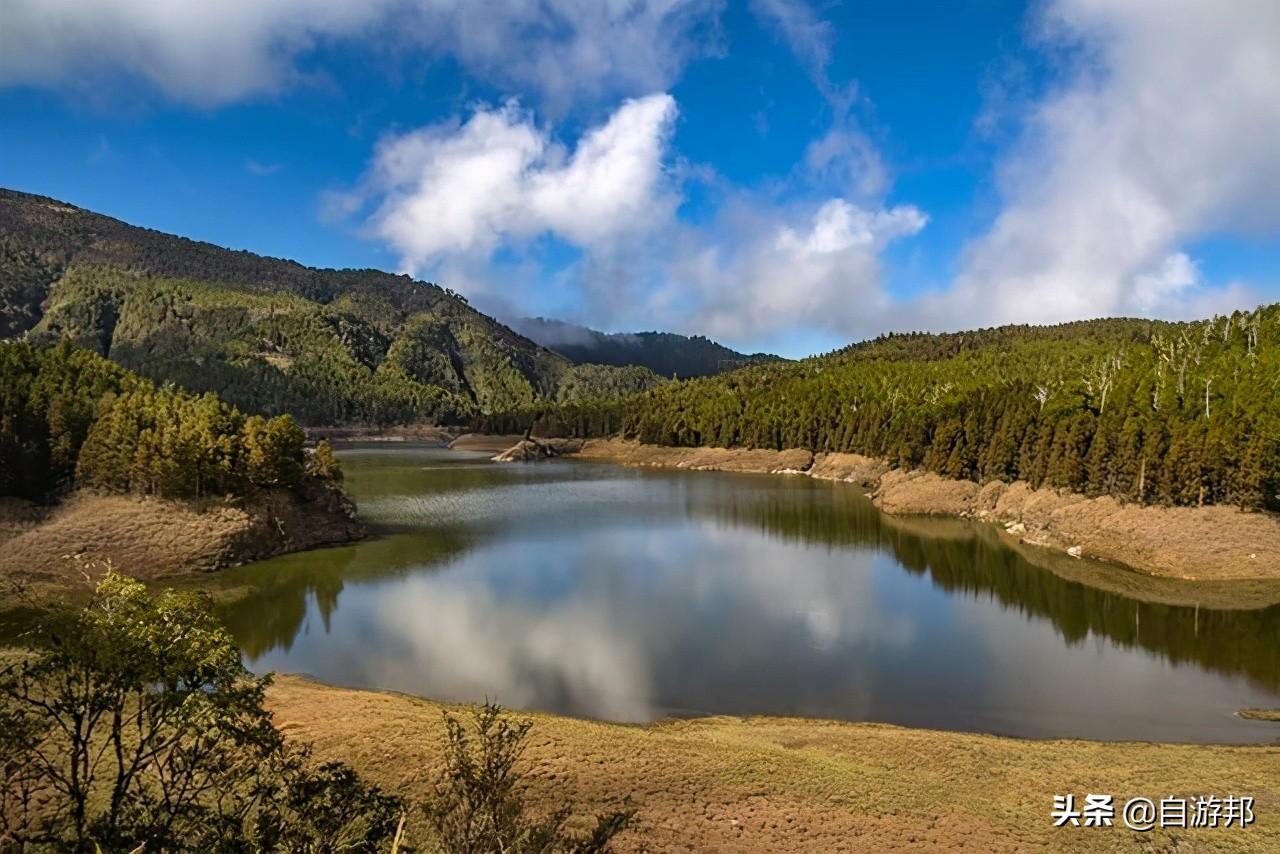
(623, 594)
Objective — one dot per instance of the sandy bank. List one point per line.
(152, 538)
(1202, 543)
(1179, 542)
(781, 784)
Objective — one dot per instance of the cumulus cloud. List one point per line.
(466, 188)
(452, 197)
(1164, 131)
(206, 53)
(564, 49)
(816, 269)
(212, 53)
(845, 158)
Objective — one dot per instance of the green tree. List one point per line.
(133, 722)
(322, 464)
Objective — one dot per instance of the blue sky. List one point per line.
(779, 174)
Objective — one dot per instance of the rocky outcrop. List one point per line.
(529, 450)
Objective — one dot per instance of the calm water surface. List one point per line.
(625, 594)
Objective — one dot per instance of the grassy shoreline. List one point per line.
(56, 551)
(787, 784)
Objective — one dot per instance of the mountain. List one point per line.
(664, 353)
(1144, 411)
(270, 335)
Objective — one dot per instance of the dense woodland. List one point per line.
(1145, 411)
(70, 418)
(664, 353)
(267, 335)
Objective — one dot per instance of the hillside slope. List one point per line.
(665, 353)
(268, 335)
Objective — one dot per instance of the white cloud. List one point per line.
(568, 48)
(807, 35)
(255, 167)
(1164, 131)
(449, 197)
(464, 189)
(206, 53)
(777, 270)
(215, 52)
(845, 158)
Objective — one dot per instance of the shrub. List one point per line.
(133, 723)
(479, 799)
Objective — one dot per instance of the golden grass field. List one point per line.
(776, 784)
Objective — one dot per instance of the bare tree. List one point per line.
(1101, 378)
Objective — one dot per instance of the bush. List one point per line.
(479, 806)
(133, 723)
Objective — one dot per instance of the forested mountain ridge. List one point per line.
(1145, 411)
(269, 335)
(665, 353)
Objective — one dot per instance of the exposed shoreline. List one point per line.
(793, 784)
(47, 550)
(1221, 544)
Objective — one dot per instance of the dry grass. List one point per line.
(1261, 714)
(770, 784)
(699, 459)
(155, 538)
(484, 442)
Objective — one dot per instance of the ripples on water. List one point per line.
(631, 594)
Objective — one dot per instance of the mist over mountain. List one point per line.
(665, 353)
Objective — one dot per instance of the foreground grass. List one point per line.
(776, 784)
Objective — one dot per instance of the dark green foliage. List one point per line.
(325, 808)
(24, 281)
(69, 417)
(479, 804)
(267, 335)
(133, 722)
(584, 383)
(666, 354)
(49, 399)
(1140, 410)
